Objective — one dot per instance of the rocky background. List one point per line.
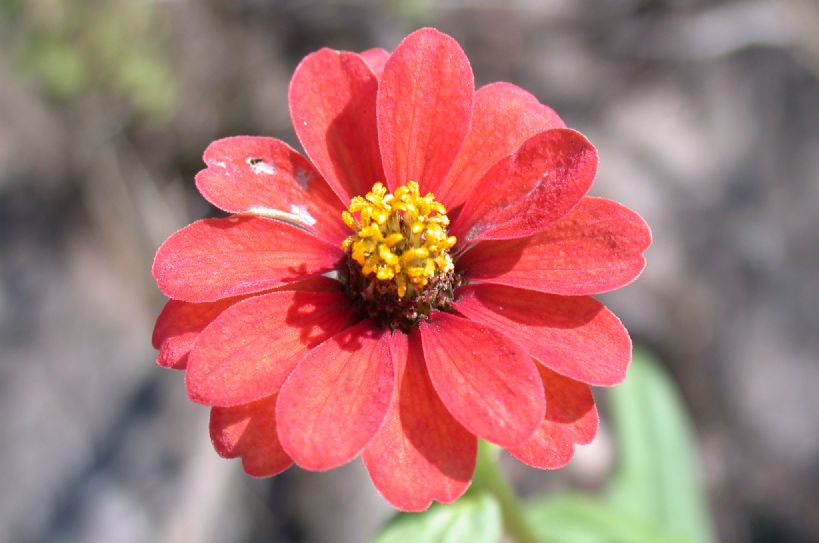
(706, 115)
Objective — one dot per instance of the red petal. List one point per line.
(249, 431)
(596, 248)
(376, 58)
(527, 191)
(251, 348)
(504, 117)
(488, 383)
(178, 326)
(264, 176)
(575, 336)
(421, 453)
(332, 104)
(218, 258)
(335, 400)
(571, 417)
(424, 107)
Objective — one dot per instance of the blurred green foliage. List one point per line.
(76, 48)
(414, 12)
(581, 519)
(657, 477)
(10, 7)
(475, 518)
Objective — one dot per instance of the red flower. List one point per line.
(409, 325)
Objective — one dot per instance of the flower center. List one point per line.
(399, 267)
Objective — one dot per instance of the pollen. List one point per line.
(400, 237)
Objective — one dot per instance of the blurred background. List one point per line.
(706, 116)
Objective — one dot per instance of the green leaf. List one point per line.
(578, 519)
(475, 518)
(657, 479)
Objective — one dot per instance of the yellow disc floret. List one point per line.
(399, 237)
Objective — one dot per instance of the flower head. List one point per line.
(423, 279)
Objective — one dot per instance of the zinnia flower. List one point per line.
(423, 280)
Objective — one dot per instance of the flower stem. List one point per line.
(489, 479)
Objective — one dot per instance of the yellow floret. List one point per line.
(399, 237)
